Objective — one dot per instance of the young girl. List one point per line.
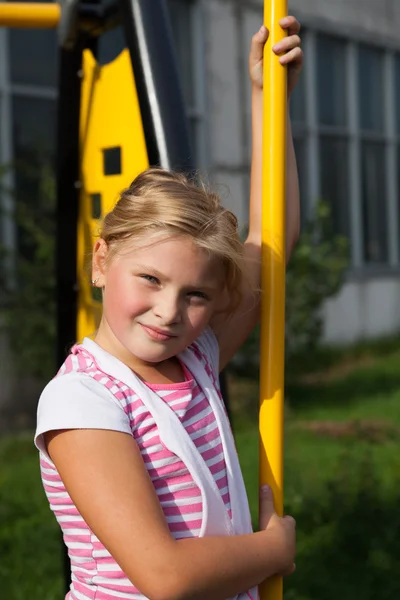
(137, 457)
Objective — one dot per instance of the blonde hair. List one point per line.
(160, 201)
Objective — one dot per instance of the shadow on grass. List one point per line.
(379, 387)
(365, 384)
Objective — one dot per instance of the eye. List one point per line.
(200, 295)
(150, 279)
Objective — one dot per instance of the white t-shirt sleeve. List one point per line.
(77, 401)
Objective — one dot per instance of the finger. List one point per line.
(289, 571)
(266, 506)
(257, 44)
(290, 24)
(290, 520)
(293, 41)
(295, 57)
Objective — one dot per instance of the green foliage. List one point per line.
(315, 273)
(347, 540)
(28, 298)
(30, 540)
(341, 477)
(347, 531)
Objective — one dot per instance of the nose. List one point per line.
(167, 308)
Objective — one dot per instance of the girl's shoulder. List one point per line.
(79, 360)
(79, 397)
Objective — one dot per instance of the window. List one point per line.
(346, 124)
(333, 131)
(397, 138)
(41, 48)
(334, 179)
(373, 201)
(371, 124)
(27, 116)
(331, 78)
(370, 81)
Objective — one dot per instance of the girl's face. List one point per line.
(158, 297)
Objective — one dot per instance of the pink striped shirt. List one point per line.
(95, 574)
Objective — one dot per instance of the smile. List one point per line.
(157, 334)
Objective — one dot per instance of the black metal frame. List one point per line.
(149, 38)
(69, 89)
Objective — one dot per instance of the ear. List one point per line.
(100, 251)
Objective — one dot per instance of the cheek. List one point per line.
(199, 316)
(123, 298)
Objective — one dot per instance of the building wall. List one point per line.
(364, 309)
(213, 38)
(367, 303)
(379, 18)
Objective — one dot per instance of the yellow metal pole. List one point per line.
(273, 271)
(24, 14)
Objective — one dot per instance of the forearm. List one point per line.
(292, 194)
(256, 165)
(292, 183)
(216, 568)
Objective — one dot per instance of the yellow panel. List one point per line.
(110, 118)
(24, 14)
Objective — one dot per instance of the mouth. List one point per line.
(157, 334)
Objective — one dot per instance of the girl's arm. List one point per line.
(106, 478)
(233, 334)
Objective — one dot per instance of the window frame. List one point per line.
(312, 130)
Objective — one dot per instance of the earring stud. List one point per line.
(94, 281)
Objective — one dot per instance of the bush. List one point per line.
(27, 302)
(348, 544)
(315, 272)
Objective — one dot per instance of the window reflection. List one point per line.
(331, 79)
(334, 180)
(397, 91)
(33, 56)
(374, 202)
(370, 93)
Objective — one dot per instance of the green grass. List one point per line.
(30, 541)
(369, 396)
(328, 469)
(342, 473)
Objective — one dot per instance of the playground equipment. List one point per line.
(273, 272)
(114, 121)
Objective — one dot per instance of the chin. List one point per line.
(150, 356)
